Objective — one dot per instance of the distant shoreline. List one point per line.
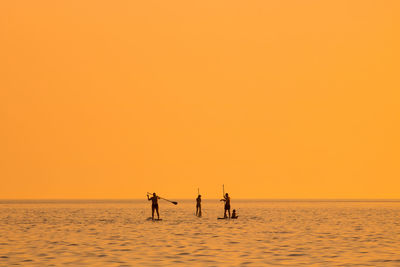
(135, 200)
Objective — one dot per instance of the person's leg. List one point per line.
(152, 212)
(229, 212)
(197, 210)
(158, 214)
(200, 210)
(225, 213)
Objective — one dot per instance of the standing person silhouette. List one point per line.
(154, 205)
(198, 206)
(227, 201)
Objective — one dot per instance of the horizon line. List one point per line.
(268, 199)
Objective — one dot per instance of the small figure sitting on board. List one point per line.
(234, 215)
(227, 201)
(154, 205)
(198, 206)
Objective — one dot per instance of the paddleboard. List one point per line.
(219, 218)
(149, 219)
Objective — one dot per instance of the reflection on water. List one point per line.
(116, 233)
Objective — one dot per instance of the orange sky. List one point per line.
(276, 99)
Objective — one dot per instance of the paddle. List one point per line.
(223, 196)
(173, 202)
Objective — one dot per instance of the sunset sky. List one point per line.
(274, 99)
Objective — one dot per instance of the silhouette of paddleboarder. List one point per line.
(234, 214)
(198, 206)
(154, 205)
(227, 201)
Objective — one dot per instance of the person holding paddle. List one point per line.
(154, 205)
(227, 201)
(198, 206)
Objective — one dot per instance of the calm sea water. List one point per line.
(116, 233)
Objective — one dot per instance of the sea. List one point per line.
(267, 233)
